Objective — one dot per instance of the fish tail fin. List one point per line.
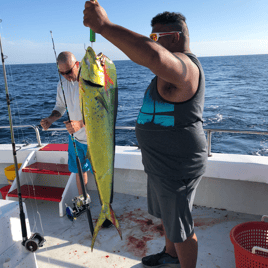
(112, 218)
(106, 213)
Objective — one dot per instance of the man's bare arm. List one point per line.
(47, 122)
(55, 115)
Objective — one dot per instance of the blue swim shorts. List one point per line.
(82, 151)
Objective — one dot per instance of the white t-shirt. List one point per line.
(71, 92)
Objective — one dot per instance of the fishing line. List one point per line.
(36, 239)
(10, 77)
(75, 149)
(43, 233)
(22, 215)
(47, 134)
(30, 176)
(15, 113)
(20, 133)
(36, 205)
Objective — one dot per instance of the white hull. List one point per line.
(232, 186)
(233, 182)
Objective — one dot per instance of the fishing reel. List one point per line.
(34, 242)
(76, 211)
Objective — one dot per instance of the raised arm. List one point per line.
(173, 67)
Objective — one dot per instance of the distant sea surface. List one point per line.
(236, 98)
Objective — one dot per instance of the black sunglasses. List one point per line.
(68, 72)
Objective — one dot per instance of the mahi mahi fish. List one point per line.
(98, 94)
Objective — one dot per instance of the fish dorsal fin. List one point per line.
(91, 68)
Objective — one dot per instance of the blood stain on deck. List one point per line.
(141, 229)
(137, 246)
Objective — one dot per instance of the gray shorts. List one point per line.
(172, 201)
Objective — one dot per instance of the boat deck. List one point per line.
(68, 243)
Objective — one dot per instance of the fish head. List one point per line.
(91, 68)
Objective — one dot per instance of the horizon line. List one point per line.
(236, 55)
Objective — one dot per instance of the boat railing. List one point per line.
(36, 129)
(209, 132)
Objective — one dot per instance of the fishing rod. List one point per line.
(75, 149)
(36, 240)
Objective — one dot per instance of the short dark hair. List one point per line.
(171, 18)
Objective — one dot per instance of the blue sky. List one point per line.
(217, 27)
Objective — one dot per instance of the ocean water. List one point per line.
(236, 98)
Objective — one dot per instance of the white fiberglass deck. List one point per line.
(233, 182)
(68, 244)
